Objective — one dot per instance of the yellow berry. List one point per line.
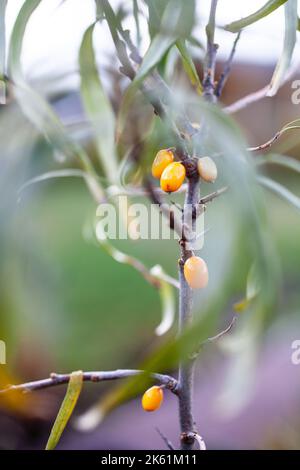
(172, 177)
(196, 272)
(152, 398)
(162, 160)
(207, 169)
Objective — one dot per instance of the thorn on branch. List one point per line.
(165, 439)
(215, 338)
(201, 206)
(227, 68)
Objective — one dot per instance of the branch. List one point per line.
(58, 379)
(227, 68)
(267, 144)
(257, 95)
(210, 59)
(210, 197)
(154, 87)
(175, 224)
(186, 369)
(201, 206)
(247, 100)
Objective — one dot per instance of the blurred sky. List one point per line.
(55, 31)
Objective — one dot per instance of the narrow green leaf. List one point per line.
(3, 4)
(189, 65)
(281, 191)
(66, 173)
(136, 15)
(167, 301)
(35, 108)
(268, 8)
(282, 160)
(16, 41)
(156, 10)
(291, 125)
(290, 38)
(253, 288)
(66, 409)
(97, 106)
(99, 10)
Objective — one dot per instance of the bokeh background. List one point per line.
(66, 305)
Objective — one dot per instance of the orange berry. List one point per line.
(162, 160)
(196, 272)
(152, 398)
(172, 177)
(207, 169)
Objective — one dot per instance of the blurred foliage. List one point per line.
(64, 301)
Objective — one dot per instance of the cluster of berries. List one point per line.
(171, 175)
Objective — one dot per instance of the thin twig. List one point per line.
(227, 68)
(222, 333)
(165, 439)
(214, 338)
(201, 206)
(58, 379)
(247, 100)
(210, 59)
(257, 95)
(267, 144)
(210, 197)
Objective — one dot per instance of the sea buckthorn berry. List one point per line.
(152, 398)
(207, 169)
(196, 272)
(162, 160)
(172, 177)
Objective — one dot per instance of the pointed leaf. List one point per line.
(290, 38)
(252, 289)
(66, 409)
(136, 15)
(167, 301)
(189, 65)
(3, 4)
(97, 106)
(282, 160)
(280, 190)
(35, 108)
(156, 10)
(268, 8)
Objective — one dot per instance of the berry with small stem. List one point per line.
(162, 160)
(172, 177)
(152, 398)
